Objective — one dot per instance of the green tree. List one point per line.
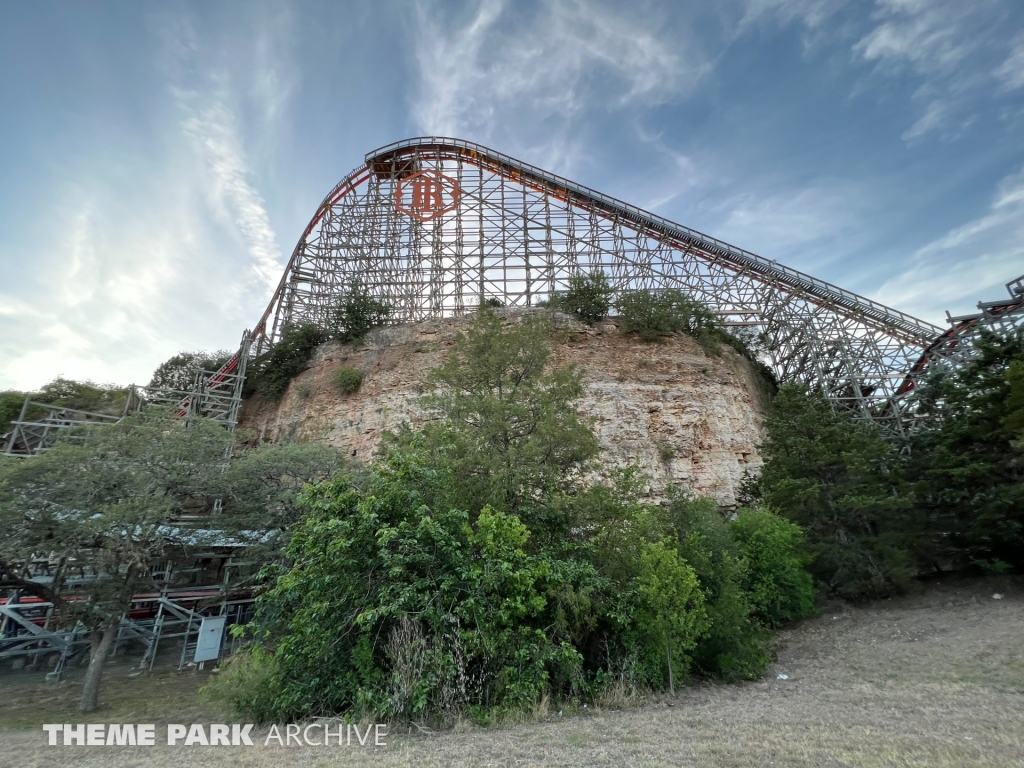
(271, 373)
(104, 499)
(588, 297)
(261, 490)
(1014, 418)
(357, 313)
(776, 580)
(840, 480)
(968, 478)
(671, 606)
(179, 372)
(508, 427)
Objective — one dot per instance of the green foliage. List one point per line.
(588, 298)
(357, 313)
(397, 609)
(840, 480)
(179, 372)
(473, 572)
(270, 374)
(10, 408)
(670, 615)
(1014, 418)
(776, 580)
(734, 647)
(508, 429)
(105, 498)
(967, 469)
(260, 492)
(63, 393)
(78, 499)
(653, 314)
(348, 380)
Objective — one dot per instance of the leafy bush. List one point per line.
(588, 298)
(735, 645)
(395, 609)
(348, 380)
(776, 580)
(653, 314)
(271, 373)
(357, 313)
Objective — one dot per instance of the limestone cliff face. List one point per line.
(685, 417)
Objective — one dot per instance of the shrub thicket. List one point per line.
(653, 314)
(736, 645)
(474, 573)
(356, 313)
(588, 298)
(271, 373)
(841, 481)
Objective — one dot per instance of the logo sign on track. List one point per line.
(427, 194)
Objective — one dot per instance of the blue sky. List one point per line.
(159, 160)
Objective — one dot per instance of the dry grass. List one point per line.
(931, 680)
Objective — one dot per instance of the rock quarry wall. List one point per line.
(686, 417)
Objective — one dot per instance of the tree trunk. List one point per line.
(671, 682)
(98, 652)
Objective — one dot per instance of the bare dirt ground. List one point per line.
(934, 679)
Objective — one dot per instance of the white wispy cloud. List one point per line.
(968, 263)
(500, 74)
(207, 101)
(171, 249)
(948, 46)
(811, 13)
(1010, 72)
(211, 125)
(934, 117)
(805, 227)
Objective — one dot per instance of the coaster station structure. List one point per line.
(215, 395)
(29, 632)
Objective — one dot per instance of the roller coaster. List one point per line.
(435, 227)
